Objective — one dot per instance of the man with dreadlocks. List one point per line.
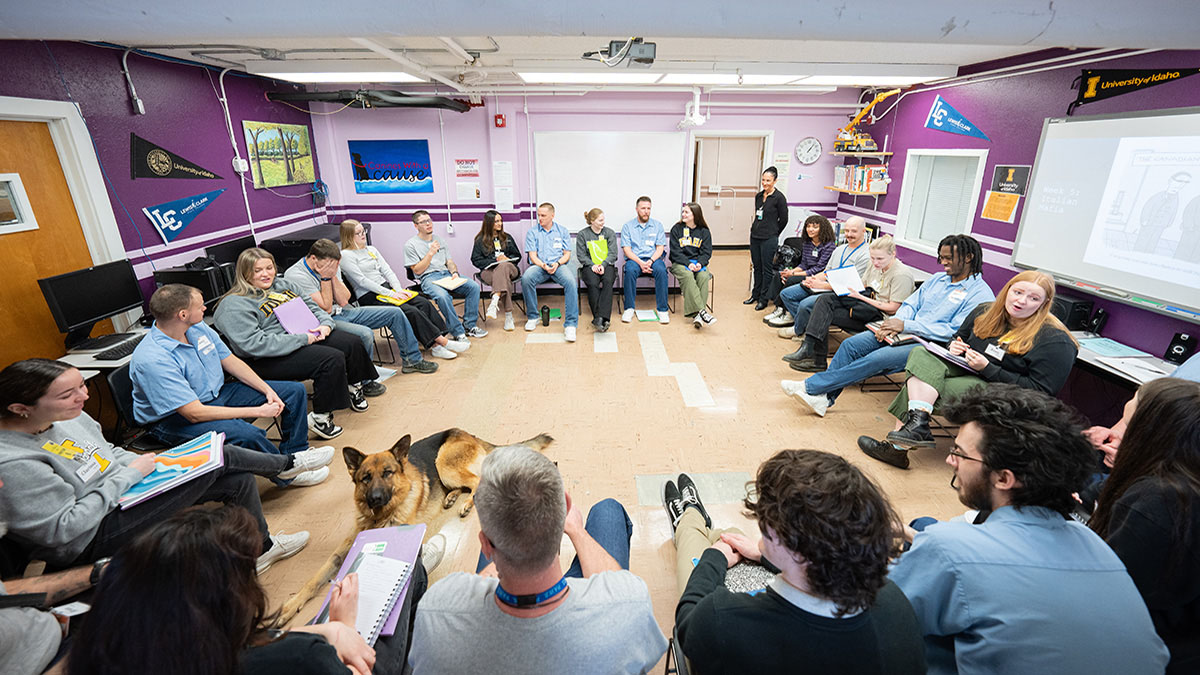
(934, 312)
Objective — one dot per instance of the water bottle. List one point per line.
(545, 315)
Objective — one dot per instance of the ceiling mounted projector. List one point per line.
(639, 54)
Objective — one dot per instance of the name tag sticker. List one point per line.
(957, 295)
(650, 241)
(204, 345)
(995, 351)
(89, 470)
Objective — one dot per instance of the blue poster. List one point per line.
(171, 217)
(943, 117)
(391, 166)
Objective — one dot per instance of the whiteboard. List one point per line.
(581, 170)
(1114, 206)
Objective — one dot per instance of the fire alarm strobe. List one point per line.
(500, 121)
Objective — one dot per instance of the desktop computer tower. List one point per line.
(1072, 311)
(213, 282)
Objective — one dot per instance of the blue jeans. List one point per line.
(799, 301)
(445, 301)
(293, 421)
(565, 277)
(609, 525)
(363, 320)
(859, 357)
(629, 283)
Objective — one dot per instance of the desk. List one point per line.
(85, 361)
(1092, 361)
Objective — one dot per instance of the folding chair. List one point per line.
(675, 654)
(128, 433)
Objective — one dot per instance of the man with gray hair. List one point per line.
(602, 619)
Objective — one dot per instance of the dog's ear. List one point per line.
(354, 459)
(400, 449)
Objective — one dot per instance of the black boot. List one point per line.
(760, 305)
(750, 300)
(883, 451)
(805, 352)
(818, 362)
(915, 432)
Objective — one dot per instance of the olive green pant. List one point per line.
(693, 286)
(949, 380)
(691, 538)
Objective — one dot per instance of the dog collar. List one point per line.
(530, 600)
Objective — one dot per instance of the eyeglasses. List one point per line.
(962, 455)
(427, 221)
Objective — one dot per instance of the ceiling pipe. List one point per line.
(410, 65)
(457, 50)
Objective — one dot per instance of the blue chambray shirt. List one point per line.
(168, 374)
(642, 239)
(938, 308)
(549, 246)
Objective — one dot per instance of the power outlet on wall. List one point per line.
(240, 165)
(717, 204)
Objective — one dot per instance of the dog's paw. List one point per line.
(466, 508)
(451, 498)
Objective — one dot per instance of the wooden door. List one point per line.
(727, 178)
(57, 246)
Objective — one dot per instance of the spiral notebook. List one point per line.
(380, 581)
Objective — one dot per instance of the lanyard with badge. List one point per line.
(846, 255)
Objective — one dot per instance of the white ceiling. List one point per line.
(928, 38)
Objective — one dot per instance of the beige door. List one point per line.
(726, 179)
(57, 246)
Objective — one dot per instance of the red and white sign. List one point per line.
(466, 168)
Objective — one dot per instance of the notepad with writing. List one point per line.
(401, 542)
(381, 581)
(296, 317)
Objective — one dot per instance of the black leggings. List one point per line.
(599, 290)
(761, 253)
(426, 321)
(332, 364)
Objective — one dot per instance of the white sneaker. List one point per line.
(787, 333)
(493, 309)
(795, 389)
(627, 315)
(569, 333)
(282, 546)
(459, 346)
(773, 315)
(508, 321)
(697, 322)
(307, 460)
(707, 317)
(322, 425)
(531, 324)
(441, 352)
(310, 478)
(664, 318)
(433, 551)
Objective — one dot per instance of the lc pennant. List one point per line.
(171, 217)
(943, 117)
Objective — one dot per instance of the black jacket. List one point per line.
(775, 215)
(1044, 367)
(483, 254)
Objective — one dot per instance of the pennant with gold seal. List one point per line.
(148, 160)
(1097, 85)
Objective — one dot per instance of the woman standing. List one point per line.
(691, 251)
(1014, 339)
(815, 244)
(496, 255)
(372, 276)
(770, 217)
(335, 361)
(1149, 512)
(596, 250)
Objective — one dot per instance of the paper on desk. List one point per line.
(844, 280)
(1139, 369)
(1102, 346)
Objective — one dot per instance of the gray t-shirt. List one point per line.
(29, 639)
(308, 285)
(416, 248)
(605, 625)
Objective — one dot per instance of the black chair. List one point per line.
(128, 433)
(384, 332)
(675, 654)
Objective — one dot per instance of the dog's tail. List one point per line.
(539, 442)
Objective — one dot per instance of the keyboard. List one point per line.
(101, 341)
(120, 351)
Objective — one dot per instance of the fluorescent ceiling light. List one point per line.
(867, 80)
(727, 79)
(344, 77)
(591, 78)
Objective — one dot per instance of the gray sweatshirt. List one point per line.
(251, 328)
(59, 485)
(585, 235)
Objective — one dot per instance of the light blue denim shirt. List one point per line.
(549, 246)
(1026, 591)
(168, 374)
(1189, 370)
(939, 306)
(642, 239)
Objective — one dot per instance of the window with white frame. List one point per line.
(939, 196)
(16, 215)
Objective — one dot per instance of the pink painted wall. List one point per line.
(472, 135)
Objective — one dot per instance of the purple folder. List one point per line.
(402, 542)
(296, 318)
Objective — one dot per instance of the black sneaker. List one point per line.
(915, 433)
(691, 497)
(673, 503)
(323, 426)
(421, 366)
(605, 326)
(883, 451)
(358, 400)
(373, 388)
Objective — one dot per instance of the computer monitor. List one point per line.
(228, 252)
(77, 300)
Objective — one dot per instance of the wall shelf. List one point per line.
(854, 192)
(862, 154)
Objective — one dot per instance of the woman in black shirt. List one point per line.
(770, 217)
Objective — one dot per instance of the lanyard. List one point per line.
(846, 255)
(313, 272)
(530, 600)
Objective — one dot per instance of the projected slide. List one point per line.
(1148, 222)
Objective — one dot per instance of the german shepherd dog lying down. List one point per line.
(392, 487)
